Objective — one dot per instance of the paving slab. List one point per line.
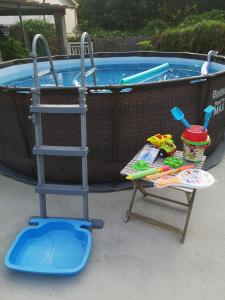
(129, 261)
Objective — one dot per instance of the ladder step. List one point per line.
(61, 189)
(44, 72)
(90, 72)
(60, 150)
(58, 109)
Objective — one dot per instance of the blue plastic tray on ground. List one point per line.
(51, 246)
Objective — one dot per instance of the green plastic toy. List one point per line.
(141, 165)
(173, 162)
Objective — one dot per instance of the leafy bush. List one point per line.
(12, 49)
(39, 26)
(201, 37)
(145, 45)
(155, 26)
(33, 27)
(109, 34)
(215, 15)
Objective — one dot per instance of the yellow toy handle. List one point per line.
(166, 181)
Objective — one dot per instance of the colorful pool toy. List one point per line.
(150, 171)
(195, 137)
(141, 165)
(195, 140)
(173, 162)
(164, 142)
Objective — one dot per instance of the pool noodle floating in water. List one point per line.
(148, 74)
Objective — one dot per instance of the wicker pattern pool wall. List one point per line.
(118, 122)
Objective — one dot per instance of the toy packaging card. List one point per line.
(148, 155)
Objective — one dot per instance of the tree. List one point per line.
(116, 14)
(135, 14)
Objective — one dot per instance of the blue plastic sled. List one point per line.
(51, 246)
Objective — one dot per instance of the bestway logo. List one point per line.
(219, 103)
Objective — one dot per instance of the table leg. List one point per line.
(140, 188)
(190, 198)
(131, 202)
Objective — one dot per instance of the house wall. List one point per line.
(70, 16)
(15, 19)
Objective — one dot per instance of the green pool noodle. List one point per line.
(150, 171)
(146, 75)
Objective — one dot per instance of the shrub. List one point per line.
(215, 15)
(33, 27)
(109, 34)
(201, 37)
(145, 45)
(12, 49)
(155, 26)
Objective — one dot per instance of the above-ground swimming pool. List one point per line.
(119, 118)
(109, 71)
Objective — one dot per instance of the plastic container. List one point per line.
(195, 140)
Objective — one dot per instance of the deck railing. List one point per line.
(74, 48)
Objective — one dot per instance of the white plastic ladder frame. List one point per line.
(34, 56)
(40, 150)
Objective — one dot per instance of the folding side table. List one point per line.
(140, 185)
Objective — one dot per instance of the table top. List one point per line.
(159, 163)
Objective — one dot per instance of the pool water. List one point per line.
(105, 75)
(109, 71)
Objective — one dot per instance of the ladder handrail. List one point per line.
(85, 36)
(82, 97)
(205, 66)
(210, 54)
(34, 56)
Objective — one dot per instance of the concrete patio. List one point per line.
(128, 261)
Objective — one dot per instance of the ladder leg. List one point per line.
(84, 166)
(42, 200)
(83, 132)
(85, 206)
(41, 180)
(40, 159)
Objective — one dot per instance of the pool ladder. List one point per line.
(34, 56)
(40, 150)
(205, 66)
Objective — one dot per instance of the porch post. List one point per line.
(61, 32)
(23, 30)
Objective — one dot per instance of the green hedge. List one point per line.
(201, 37)
(33, 27)
(12, 49)
(213, 15)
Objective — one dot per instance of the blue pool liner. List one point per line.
(51, 246)
(146, 75)
(110, 69)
